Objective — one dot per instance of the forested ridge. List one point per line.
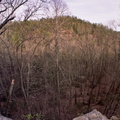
(62, 67)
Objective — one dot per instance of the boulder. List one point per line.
(4, 118)
(94, 115)
(114, 118)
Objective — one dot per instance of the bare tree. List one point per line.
(7, 10)
(56, 8)
(33, 9)
(9, 7)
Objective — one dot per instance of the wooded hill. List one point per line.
(62, 67)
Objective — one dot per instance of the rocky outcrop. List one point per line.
(94, 115)
(114, 118)
(4, 118)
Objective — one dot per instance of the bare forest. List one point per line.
(57, 67)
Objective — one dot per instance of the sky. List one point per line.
(96, 11)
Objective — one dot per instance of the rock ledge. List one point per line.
(94, 115)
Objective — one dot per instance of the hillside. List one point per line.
(62, 67)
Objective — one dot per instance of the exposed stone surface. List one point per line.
(94, 115)
(114, 118)
(4, 118)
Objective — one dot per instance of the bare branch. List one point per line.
(8, 10)
(5, 22)
(3, 10)
(32, 9)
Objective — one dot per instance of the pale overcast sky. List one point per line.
(95, 11)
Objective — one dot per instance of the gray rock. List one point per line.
(114, 118)
(4, 118)
(94, 115)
